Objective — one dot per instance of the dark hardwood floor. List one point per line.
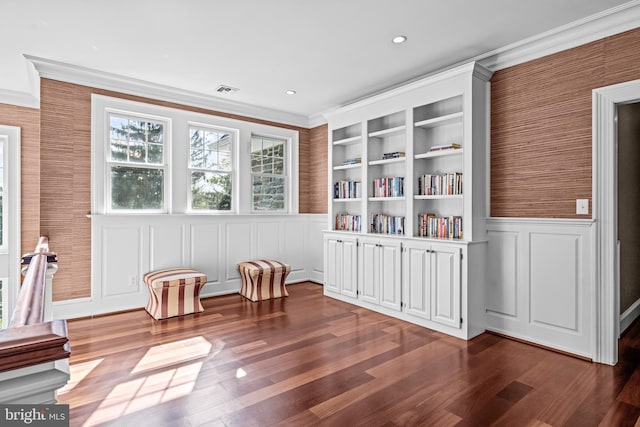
(310, 360)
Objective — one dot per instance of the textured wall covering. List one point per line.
(317, 181)
(65, 177)
(541, 126)
(28, 120)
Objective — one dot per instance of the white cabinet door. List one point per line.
(349, 267)
(417, 279)
(390, 274)
(332, 264)
(369, 270)
(445, 285)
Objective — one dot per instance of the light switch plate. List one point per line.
(582, 206)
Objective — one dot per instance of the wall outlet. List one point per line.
(582, 206)
(133, 281)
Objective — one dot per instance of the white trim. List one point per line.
(630, 314)
(605, 213)
(546, 221)
(70, 73)
(595, 27)
(21, 99)
(13, 135)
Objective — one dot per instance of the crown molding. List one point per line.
(103, 80)
(595, 27)
(21, 99)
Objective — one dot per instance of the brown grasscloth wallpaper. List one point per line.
(65, 176)
(541, 126)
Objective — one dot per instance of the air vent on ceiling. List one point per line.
(226, 89)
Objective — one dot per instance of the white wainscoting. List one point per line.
(540, 286)
(124, 248)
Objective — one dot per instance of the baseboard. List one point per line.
(630, 314)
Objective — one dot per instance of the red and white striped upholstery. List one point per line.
(263, 279)
(174, 292)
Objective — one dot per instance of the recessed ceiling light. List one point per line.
(290, 92)
(399, 39)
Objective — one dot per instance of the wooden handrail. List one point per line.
(30, 308)
(29, 340)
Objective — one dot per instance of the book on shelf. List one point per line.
(347, 222)
(440, 185)
(353, 161)
(429, 225)
(394, 155)
(387, 224)
(347, 190)
(451, 146)
(388, 187)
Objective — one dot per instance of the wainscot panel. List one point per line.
(541, 282)
(125, 247)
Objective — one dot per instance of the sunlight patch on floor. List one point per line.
(175, 352)
(78, 372)
(145, 392)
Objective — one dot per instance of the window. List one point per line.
(268, 174)
(211, 166)
(136, 166)
(3, 228)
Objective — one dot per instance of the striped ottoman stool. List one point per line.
(263, 279)
(174, 292)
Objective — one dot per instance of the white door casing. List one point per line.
(10, 249)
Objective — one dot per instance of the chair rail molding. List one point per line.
(604, 152)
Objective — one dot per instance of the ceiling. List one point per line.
(331, 52)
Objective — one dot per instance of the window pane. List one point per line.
(211, 191)
(119, 150)
(1, 223)
(278, 150)
(268, 193)
(211, 160)
(154, 154)
(155, 132)
(278, 166)
(256, 163)
(256, 146)
(137, 152)
(136, 188)
(224, 161)
(225, 143)
(196, 137)
(211, 140)
(137, 131)
(119, 128)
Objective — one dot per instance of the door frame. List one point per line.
(604, 211)
(12, 154)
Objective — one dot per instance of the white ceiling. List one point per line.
(330, 51)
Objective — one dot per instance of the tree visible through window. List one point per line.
(268, 174)
(137, 163)
(211, 156)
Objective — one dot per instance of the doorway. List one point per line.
(606, 103)
(629, 211)
(9, 220)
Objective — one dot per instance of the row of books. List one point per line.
(347, 222)
(438, 185)
(353, 161)
(394, 155)
(429, 225)
(388, 187)
(347, 190)
(386, 224)
(451, 146)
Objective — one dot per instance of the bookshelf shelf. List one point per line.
(348, 141)
(387, 161)
(438, 197)
(387, 133)
(439, 153)
(347, 200)
(386, 199)
(343, 167)
(440, 121)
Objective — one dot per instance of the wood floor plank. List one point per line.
(310, 360)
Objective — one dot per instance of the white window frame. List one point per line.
(164, 166)
(177, 149)
(233, 172)
(286, 174)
